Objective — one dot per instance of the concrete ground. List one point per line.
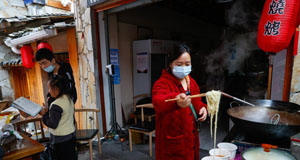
(114, 150)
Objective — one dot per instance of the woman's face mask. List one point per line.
(181, 71)
(182, 66)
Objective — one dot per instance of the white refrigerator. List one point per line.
(149, 59)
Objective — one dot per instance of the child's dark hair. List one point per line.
(178, 50)
(44, 53)
(61, 82)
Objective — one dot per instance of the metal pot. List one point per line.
(279, 105)
(258, 153)
(269, 119)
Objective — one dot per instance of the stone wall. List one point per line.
(6, 88)
(295, 84)
(85, 54)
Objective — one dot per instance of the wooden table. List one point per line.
(23, 148)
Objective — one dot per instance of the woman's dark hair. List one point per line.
(44, 53)
(178, 50)
(61, 82)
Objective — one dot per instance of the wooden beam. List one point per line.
(3, 34)
(4, 25)
(73, 56)
(57, 4)
(35, 23)
(111, 4)
(34, 79)
(288, 72)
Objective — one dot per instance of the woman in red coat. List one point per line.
(176, 136)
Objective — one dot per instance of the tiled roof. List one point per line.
(15, 16)
(28, 31)
(12, 62)
(34, 17)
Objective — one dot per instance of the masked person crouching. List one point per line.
(176, 123)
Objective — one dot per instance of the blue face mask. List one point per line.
(49, 69)
(181, 71)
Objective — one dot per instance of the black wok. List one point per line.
(261, 120)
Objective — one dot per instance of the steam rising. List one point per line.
(238, 39)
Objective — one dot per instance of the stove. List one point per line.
(295, 145)
(238, 135)
(244, 141)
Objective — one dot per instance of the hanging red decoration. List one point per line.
(277, 24)
(44, 45)
(27, 56)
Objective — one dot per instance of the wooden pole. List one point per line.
(288, 72)
(271, 60)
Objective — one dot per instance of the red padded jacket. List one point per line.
(176, 135)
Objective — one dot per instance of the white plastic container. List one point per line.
(258, 153)
(231, 148)
(211, 158)
(220, 153)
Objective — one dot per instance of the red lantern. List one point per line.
(277, 24)
(27, 56)
(44, 45)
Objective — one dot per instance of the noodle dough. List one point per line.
(213, 101)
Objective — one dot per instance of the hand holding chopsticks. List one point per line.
(204, 94)
(193, 96)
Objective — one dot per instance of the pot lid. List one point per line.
(259, 153)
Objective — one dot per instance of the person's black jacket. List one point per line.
(65, 69)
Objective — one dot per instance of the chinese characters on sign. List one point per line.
(272, 29)
(277, 8)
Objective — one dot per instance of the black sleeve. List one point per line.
(53, 119)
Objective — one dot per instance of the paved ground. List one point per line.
(116, 151)
(113, 150)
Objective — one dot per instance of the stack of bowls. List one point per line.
(219, 153)
(231, 148)
(225, 151)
